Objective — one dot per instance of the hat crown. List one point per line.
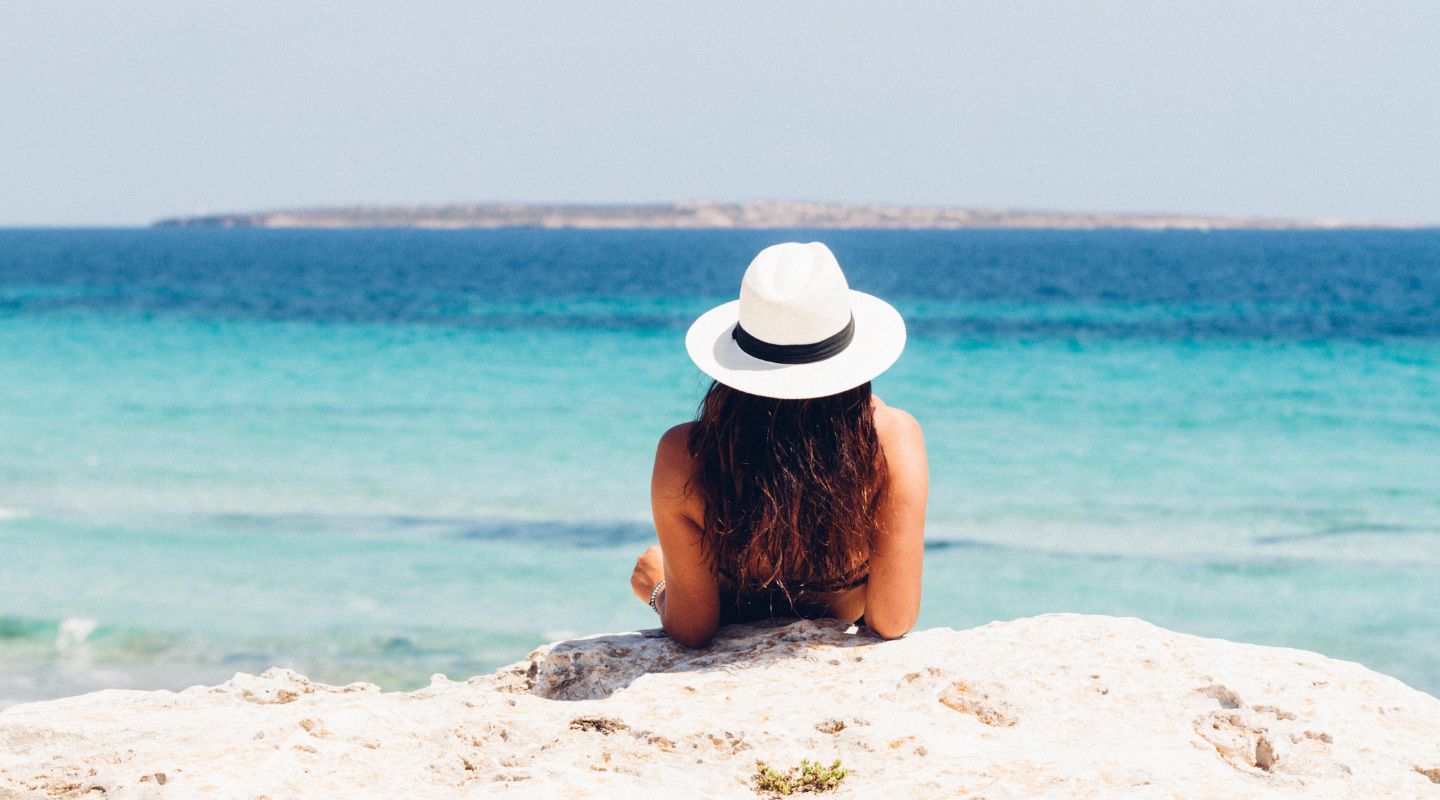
(794, 293)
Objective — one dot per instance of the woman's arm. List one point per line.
(892, 593)
(690, 602)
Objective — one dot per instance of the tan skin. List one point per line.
(690, 600)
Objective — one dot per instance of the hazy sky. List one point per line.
(121, 112)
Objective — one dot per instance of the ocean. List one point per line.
(375, 455)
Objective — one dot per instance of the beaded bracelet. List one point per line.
(655, 595)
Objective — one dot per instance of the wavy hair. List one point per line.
(792, 488)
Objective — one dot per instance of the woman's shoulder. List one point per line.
(673, 459)
(904, 446)
(895, 424)
(675, 443)
(670, 483)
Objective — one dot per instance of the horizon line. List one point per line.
(753, 214)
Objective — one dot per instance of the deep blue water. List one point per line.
(1236, 284)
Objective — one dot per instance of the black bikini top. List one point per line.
(860, 576)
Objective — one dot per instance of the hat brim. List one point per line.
(879, 339)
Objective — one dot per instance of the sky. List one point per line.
(118, 113)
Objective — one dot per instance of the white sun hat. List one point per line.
(798, 329)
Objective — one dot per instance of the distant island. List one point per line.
(732, 215)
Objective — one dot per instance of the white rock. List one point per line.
(1061, 706)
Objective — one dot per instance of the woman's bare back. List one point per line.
(889, 597)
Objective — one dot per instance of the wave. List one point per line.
(1361, 529)
(73, 631)
(576, 533)
(63, 634)
(34, 635)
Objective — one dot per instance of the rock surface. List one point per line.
(1053, 706)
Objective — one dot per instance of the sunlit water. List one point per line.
(381, 455)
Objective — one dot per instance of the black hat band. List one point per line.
(794, 353)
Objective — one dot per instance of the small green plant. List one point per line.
(810, 776)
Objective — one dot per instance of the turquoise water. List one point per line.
(378, 470)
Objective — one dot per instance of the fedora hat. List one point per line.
(798, 329)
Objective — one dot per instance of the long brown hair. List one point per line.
(791, 488)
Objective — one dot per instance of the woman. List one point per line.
(795, 492)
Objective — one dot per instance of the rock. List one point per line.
(1055, 706)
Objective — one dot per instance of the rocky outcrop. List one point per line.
(1053, 706)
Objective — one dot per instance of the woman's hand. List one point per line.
(649, 570)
